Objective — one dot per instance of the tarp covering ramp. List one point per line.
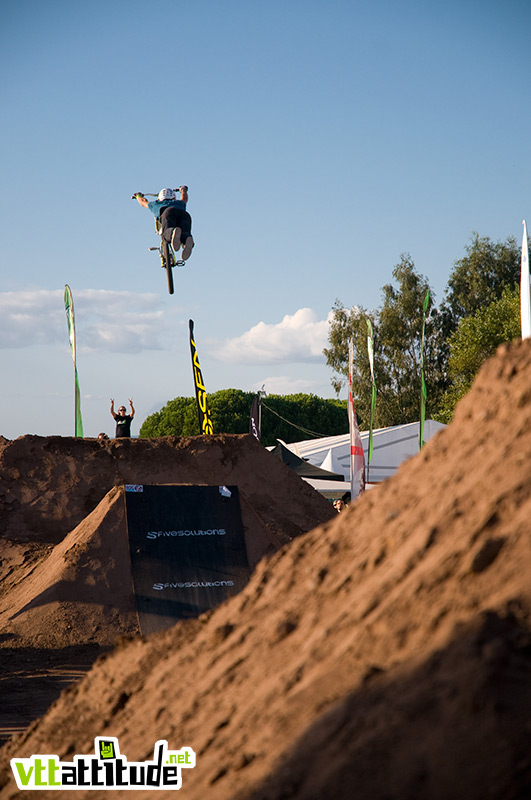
(187, 550)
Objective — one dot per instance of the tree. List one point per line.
(346, 324)
(312, 416)
(230, 413)
(477, 282)
(179, 415)
(230, 410)
(475, 340)
(397, 338)
(480, 277)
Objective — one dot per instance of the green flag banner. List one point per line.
(370, 348)
(525, 298)
(423, 392)
(69, 307)
(203, 411)
(357, 458)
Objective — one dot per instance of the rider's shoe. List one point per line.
(187, 248)
(176, 239)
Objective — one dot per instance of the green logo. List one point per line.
(163, 771)
(106, 749)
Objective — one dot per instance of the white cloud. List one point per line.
(298, 337)
(105, 320)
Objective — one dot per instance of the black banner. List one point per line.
(205, 423)
(187, 550)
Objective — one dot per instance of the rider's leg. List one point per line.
(176, 227)
(166, 221)
(185, 223)
(186, 235)
(170, 229)
(187, 247)
(176, 238)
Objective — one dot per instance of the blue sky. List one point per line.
(320, 139)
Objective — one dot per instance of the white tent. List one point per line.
(391, 446)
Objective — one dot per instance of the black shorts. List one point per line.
(172, 217)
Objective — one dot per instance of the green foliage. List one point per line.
(477, 314)
(480, 277)
(316, 415)
(230, 412)
(475, 340)
(346, 324)
(397, 339)
(177, 415)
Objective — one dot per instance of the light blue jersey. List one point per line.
(157, 205)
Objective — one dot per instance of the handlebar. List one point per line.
(150, 194)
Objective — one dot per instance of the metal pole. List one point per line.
(261, 393)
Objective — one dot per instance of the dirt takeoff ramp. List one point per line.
(80, 592)
(187, 548)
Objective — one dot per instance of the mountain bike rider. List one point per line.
(175, 221)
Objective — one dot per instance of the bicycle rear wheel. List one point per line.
(168, 263)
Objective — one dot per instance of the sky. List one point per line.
(320, 140)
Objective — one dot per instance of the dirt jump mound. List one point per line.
(67, 569)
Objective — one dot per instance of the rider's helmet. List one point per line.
(166, 194)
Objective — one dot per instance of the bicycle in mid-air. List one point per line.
(168, 259)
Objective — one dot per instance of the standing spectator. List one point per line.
(123, 420)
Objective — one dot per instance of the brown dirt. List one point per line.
(384, 654)
(61, 587)
(66, 595)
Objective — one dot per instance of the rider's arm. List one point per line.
(132, 408)
(142, 200)
(184, 193)
(112, 408)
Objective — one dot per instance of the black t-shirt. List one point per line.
(123, 425)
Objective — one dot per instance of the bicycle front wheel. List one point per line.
(168, 263)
